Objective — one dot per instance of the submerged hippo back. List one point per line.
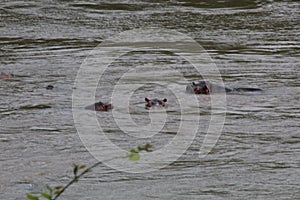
(213, 88)
(247, 90)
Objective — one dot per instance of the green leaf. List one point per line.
(82, 166)
(31, 197)
(49, 188)
(47, 196)
(57, 192)
(140, 148)
(133, 156)
(133, 151)
(59, 187)
(75, 170)
(148, 147)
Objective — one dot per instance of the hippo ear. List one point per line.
(193, 83)
(146, 99)
(164, 100)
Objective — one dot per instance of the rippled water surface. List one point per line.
(253, 44)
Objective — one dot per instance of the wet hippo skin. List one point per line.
(204, 87)
(100, 106)
(155, 103)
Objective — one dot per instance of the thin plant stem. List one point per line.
(77, 177)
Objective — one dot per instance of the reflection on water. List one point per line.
(253, 43)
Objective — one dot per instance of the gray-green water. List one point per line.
(254, 43)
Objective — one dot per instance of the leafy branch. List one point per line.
(55, 192)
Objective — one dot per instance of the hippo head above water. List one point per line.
(155, 103)
(6, 76)
(200, 88)
(99, 106)
(205, 87)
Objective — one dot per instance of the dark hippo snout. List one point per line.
(100, 106)
(200, 88)
(155, 103)
(103, 106)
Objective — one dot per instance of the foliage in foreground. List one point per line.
(55, 192)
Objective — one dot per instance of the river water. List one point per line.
(252, 43)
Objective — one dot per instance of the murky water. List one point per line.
(254, 44)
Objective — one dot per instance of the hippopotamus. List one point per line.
(100, 106)
(6, 76)
(49, 87)
(155, 103)
(204, 87)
